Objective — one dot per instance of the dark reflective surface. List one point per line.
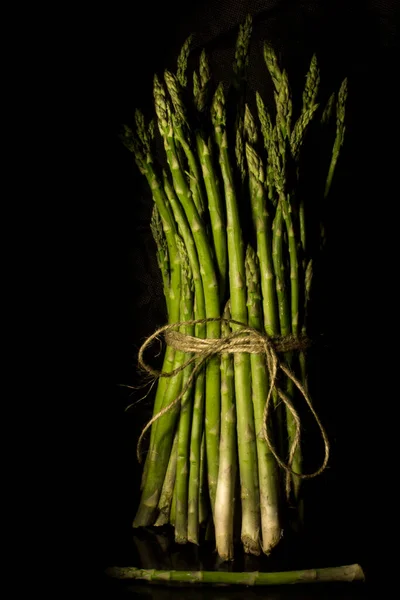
(155, 549)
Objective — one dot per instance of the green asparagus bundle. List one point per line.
(225, 441)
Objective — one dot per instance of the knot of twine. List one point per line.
(247, 339)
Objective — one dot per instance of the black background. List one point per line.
(353, 506)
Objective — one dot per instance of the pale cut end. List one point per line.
(224, 547)
(162, 519)
(270, 539)
(250, 545)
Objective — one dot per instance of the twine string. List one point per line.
(247, 339)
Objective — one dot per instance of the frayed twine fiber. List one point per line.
(247, 339)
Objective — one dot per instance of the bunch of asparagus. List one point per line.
(209, 467)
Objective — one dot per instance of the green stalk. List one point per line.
(284, 316)
(268, 474)
(216, 210)
(210, 286)
(224, 504)
(263, 228)
(279, 268)
(182, 467)
(194, 518)
(330, 574)
(183, 136)
(162, 430)
(172, 514)
(187, 236)
(200, 331)
(164, 504)
(264, 242)
(203, 495)
(278, 148)
(237, 279)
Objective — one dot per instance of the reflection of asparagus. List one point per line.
(330, 574)
(267, 467)
(237, 279)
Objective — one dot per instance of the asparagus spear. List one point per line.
(289, 324)
(244, 408)
(194, 517)
(203, 495)
(267, 132)
(210, 284)
(242, 49)
(261, 221)
(211, 178)
(312, 85)
(200, 331)
(224, 503)
(238, 91)
(202, 84)
(325, 575)
(182, 467)
(289, 317)
(272, 65)
(183, 61)
(216, 209)
(161, 435)
(310, 106)
(183, 136)
(162, 251)
(267, 467)
(164, 504)
(340, 130)
(190, 246)
(172, 514)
